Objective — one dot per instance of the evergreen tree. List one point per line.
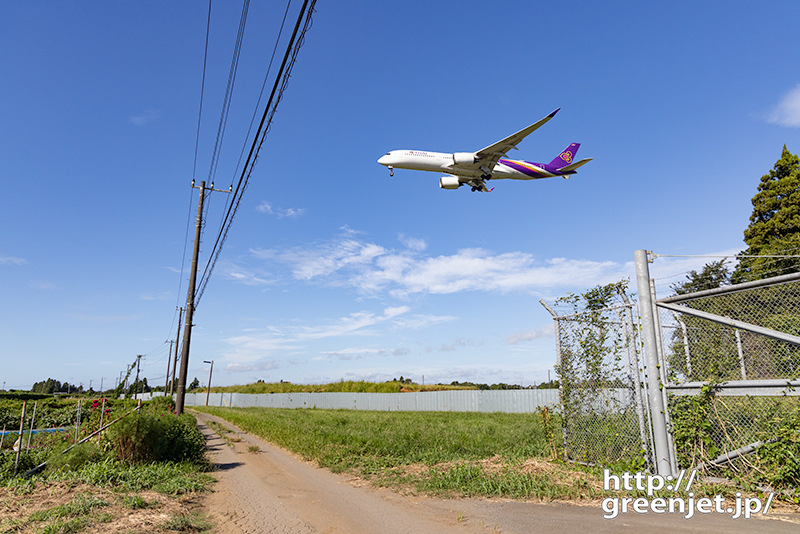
(713, 275)
(775, 223)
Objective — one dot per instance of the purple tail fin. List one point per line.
(566, 157)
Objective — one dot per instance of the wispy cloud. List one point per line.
(43, 285)
(250, 368)
(372, 269)
(787, 112)
(547, 330)
(166, 295)
(248, 277)
(255, 345)
(413, 243)
(460, 343)
(149, 115)
(280, 213)
(348, 260)
(10, 260)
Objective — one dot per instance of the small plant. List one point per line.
(254, 448)
(75, 458)
(186, 523)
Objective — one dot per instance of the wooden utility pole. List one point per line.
(187, 329)
(175, 360)
(208, 391)
(169, 361)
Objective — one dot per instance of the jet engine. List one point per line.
(449, 182)
(465, 158)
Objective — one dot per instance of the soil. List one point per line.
(16, 508)
(274, 491)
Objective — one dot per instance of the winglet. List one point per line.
(553, 114)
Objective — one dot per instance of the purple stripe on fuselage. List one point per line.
(523, 166)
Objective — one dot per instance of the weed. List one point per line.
(187, 523)
(254, 448)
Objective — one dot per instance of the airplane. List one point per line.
(476, 168)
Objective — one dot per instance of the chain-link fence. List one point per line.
(729, 372)
(602, 403)
(725, 388)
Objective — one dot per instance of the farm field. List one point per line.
(126, 481)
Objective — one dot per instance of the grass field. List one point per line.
(447, 454)
(440, 453)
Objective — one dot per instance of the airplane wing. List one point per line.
(492, 153)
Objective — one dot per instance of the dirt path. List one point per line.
(273, 492)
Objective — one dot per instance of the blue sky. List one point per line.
(333, 269)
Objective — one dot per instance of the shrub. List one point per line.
(75, 458)
(154, 437)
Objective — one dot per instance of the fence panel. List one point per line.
(600, 377)
(508, 401)
(730, 388)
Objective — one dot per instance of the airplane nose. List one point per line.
(384, 160)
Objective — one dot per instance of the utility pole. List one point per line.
(175, 360)
(208, 391)
(169, 360)
(187, 328)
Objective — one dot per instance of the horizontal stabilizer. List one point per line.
(572, 166)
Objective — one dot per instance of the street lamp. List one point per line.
(208, 391)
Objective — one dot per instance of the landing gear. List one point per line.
(391, 170)
(486, 176)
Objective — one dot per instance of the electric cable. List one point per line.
(282, 78)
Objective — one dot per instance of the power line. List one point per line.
(223, 119)
(281, 82)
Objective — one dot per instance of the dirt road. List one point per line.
(272, 491)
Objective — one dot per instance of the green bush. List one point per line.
(152, 436)
(26, 463)
(75, 458)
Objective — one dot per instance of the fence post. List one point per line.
(657, 408)
(557, 332)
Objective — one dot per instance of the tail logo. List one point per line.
(567, 156)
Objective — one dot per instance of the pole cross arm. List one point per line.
(768, 332)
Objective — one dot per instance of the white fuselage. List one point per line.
(441, 162)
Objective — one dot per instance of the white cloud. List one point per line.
(280, 213)
(166, 295)
(249, 368)
(460, 343)
(371, 269)
(547, 330)
(10, 260)
(787, 112)
(413, 243)
(352, 324)
(256, 345)
(247, 277)
(149, 115)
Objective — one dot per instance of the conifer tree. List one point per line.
(775, 223)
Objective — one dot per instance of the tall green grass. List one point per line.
(370, 441)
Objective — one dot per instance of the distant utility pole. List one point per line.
(175, 360)
(169, 361)
(208, 391)
(187, 328)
